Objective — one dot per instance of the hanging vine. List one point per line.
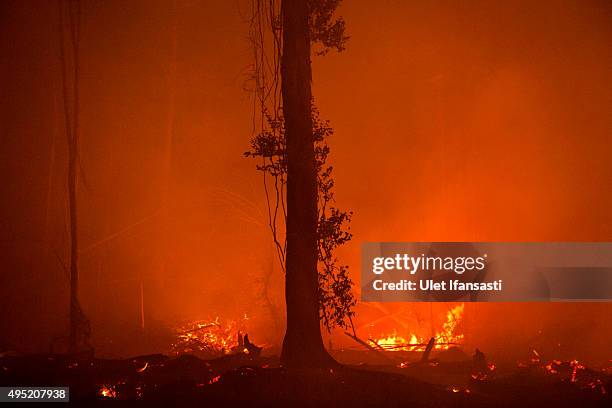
(268, 146)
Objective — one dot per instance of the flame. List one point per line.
(107, 392)
(217, 336)
(394, 342)
(444, 338)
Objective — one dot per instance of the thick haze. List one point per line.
(485, 121)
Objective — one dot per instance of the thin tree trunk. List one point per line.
(302, 345)
(51, 171)
(169, 134)
(163, 239)
(142, 306)
(72, 130)
(74, 246)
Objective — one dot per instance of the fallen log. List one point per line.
(415, 346)
(378, 346)
(202, 327)
(367, 346)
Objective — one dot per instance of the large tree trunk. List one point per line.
(302, 345)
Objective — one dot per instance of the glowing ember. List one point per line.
(107, 392)
(216, 337)
(484, 374)
(412, 342)
(457, 389)
(553, 367)
(598, 385)
(575, 367)
(571, 371)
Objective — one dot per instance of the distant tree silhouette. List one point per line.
(79, 324)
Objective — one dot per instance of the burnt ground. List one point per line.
(159, 380)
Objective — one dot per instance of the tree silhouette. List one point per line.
(79, 325)
(302, 345)
(293, 151)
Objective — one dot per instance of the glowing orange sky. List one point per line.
(487, 121)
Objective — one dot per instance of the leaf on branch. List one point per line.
(336, 299)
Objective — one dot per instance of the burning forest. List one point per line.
(306, 202)
(448, 336)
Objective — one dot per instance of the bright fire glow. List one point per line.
(445, 338)
(107, 392)
(217, 336)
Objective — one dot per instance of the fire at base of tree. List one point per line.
(144, 259)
